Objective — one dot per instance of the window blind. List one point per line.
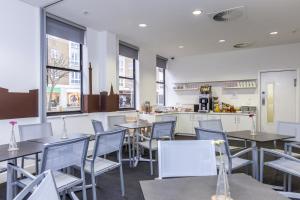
(128, 50)
(65, 29)
(161, 62)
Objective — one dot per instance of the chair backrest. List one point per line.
(212, 124)
(168, 118)
(289, 128)
(34, 131)
(162, 129)
(186, 158)
(114, 120)
(64, 154)
(42, 185)
(206, 134)
(108, 142)
(98, 126)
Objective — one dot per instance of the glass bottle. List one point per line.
(12, 146)
(64, 133)
(223, 190)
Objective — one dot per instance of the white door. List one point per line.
(277, 98)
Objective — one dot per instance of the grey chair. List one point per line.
(232, 162)
(165, 118)
(159, 131)
(285, 163)
(106, 143)
(41, 186)
(98, 126)
(216, 125)
(112, 123)
(60, 156)
(34, 131)
(290, 129)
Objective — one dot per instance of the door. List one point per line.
(277, 98)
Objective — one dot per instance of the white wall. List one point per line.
(146, 79)
(234, 65)
(19, 53)
(19, 49)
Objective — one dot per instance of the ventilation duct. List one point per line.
(228, 15)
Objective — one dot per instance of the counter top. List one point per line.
(210, 113)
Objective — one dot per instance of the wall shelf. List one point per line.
(226, 84)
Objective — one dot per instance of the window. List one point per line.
(126, 82)
(160, 86)
(128, 56)
(63, 66)
(161, 64)
(64, 74)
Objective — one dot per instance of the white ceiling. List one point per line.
(171, 23)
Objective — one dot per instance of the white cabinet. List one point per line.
(229, 122)
(244, 122)
(185, 123)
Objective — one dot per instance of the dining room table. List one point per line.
(254, 138)
(241, 186)
(137, 127)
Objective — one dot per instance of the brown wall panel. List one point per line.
(18, 105)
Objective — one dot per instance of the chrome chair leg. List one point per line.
(151, 162)
(93, 185)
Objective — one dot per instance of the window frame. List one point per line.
(129, 78)
(80, 70)
(162, 83)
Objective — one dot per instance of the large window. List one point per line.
(64, 67)
(160, 81)
(128, 56)
(126, 82)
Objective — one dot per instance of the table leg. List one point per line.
(137, 138)
(11, 189)
(255, 160)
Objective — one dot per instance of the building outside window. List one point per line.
(160, 86)
(126, 82)
(64, 67)
(128, 56)
(160, 80)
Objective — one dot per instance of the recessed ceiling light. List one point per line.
(221, 41)
(274, 33)
(197, 12)
(85, 12)
(181, 47)
(142, 25)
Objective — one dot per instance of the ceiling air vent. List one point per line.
(228, 15)
(242, 45)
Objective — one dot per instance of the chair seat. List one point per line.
(236, 162)
(297, 155)
(101, 165)
(62, 181)
(285, 165)
(146, 144)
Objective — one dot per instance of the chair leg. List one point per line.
(151, 162)
(289, 182)
(94, 186)
(122, 181)
(284, 182)
(129, 152)
(37, 163)
(84, 196)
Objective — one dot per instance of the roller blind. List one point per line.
(64, 29)
(161, 62)
(128, 50)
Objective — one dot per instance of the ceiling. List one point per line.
(171, 22)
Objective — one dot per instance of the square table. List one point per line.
(242, 187)
(259, 137)
(136, 126)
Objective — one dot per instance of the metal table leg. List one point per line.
(11, 189)
(255, 160)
